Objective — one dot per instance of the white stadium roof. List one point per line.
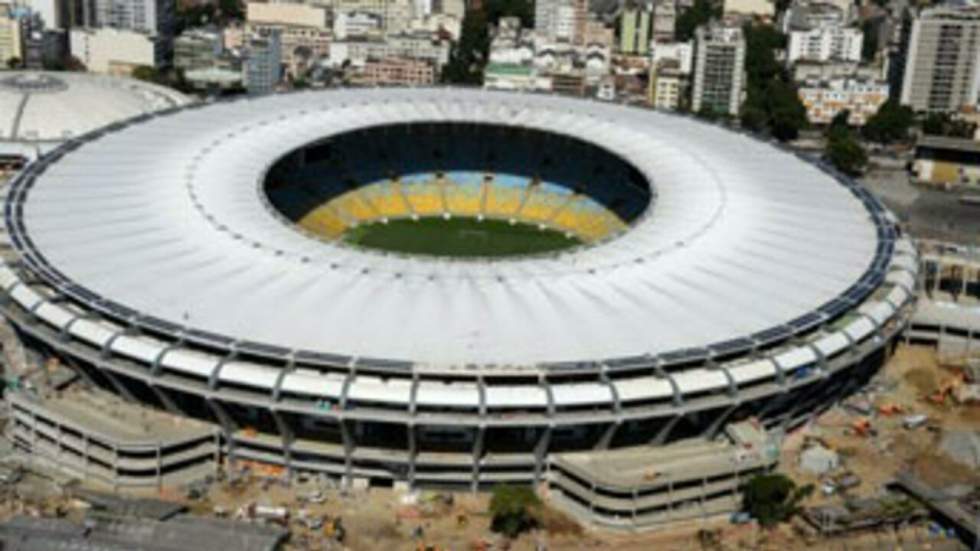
(166, 217)
(38, 107)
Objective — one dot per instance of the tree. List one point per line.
(147, 73)
(523, 9)
(942, 124)
(773, 498)
(869, 48)
(690, 19)
(469, 54)
(13, 63)
(772, 103)
(847, 154)
(513, 509)
(890, 124)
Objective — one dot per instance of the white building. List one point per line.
(761, 8)
(561, 20)
(116, 51)
(667, 85)
(719, 69)
(149, 16)
(10, 36)
(825, 99)
(514, 77)
(664, 20)
(357, 23)
(942, 60)
(681, 52)
(412, 46)
(818, 32)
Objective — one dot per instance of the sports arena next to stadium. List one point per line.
(651, 293)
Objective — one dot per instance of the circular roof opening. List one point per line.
(459, 190)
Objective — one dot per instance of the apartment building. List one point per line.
(719, 70)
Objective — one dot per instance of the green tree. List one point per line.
(13, 63)
(772, 103)
(890, 124)
(847, 154)
(690, 19)
(468, 56)
(869, 48)
(942, 124)
(523, 9)
(513, 509)
(147, 73)
(773, 498)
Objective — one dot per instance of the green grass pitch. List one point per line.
(458, 237)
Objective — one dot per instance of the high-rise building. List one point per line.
(634, 30)
(115, 51)
(818, 32)
(262, 68)
(148, 16)
(561, 20)
(10, 36)
(719, 70)
(664, 20)
(941, 56)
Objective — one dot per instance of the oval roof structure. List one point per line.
(164, 223)
(45, 108)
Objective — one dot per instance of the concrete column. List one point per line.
(348, 438)
(287, 436)
(159, 465)
(169, 403)
(413, 453)
(607, 436)
(227, 425)
(664, 433)
(85, 455)
(720, 422)
(477, 456)
(120, 387)
(541, 453)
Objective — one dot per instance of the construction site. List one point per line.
(895, 464)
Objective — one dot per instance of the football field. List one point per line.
(458, 237)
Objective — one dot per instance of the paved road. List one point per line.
(927, 213)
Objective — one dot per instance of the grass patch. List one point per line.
(458, 237)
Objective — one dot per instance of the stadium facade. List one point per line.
(740, 281)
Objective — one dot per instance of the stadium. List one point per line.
(636, 280)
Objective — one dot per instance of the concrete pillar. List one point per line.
(287, 436)
(413, 453)
(169, 403)
(120, 387)
(478, 456)
(607, 436)
(348, 438)
(541, 453)
(664, 433)
(720, 422)
(159, 465)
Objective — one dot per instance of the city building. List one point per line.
(634, 29)
(947, 162)
(681, 52)
(514, 77)
(421, 46)
(147, 16)
(304, 31)
(668, 85)
(664, 20)
(817, 32)
(824, 99)
(43, 48)
(814, 70)
(942, 59)
(510, 43)
(395, 15)
(394, 72)
(116, 51)
(357, 24)
(561, 20)
(198, 48)
(10, 36)
(719, 69)
(759, 8)
(262, 68)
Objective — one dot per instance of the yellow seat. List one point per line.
(463, 199)
(425, 198)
